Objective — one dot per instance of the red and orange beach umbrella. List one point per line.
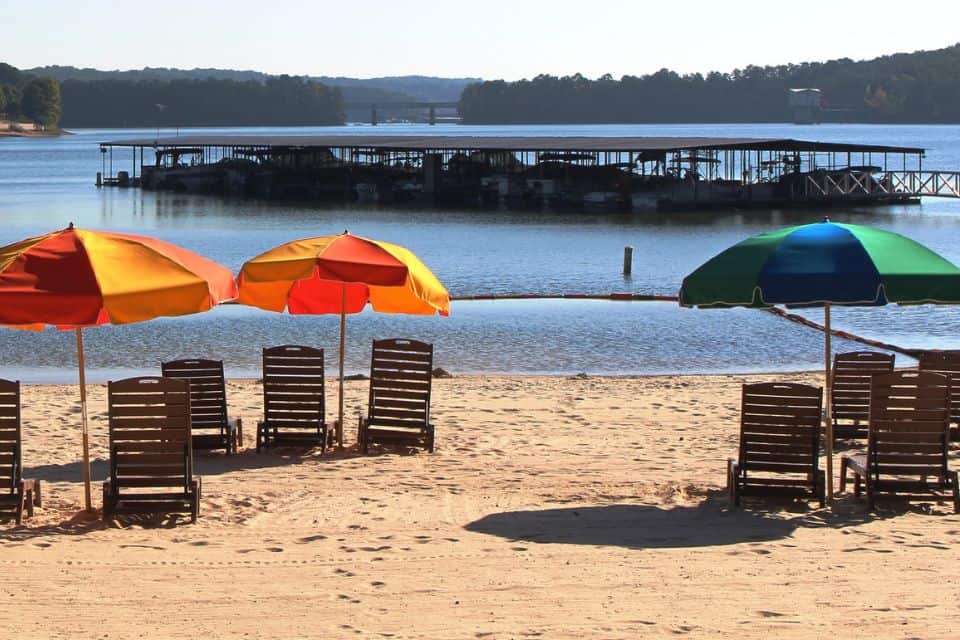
(75, 278)
(341, 274)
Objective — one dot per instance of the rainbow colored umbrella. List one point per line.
(819, 265)
(341, 274)
(75, 278)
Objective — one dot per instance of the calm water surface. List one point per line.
(46, 183)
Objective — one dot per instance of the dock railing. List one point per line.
(909, 184)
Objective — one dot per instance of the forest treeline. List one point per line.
(277, 101)
(921, 87)
(24, 97)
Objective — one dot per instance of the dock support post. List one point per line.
(627, 260)
(433, 116)
(99, 179)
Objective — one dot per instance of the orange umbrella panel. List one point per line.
(76, 277)
(342, 273)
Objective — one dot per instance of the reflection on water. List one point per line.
(46, 183)
(523, 336)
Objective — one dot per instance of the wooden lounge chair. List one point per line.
(212, 427)
(15, 492)
(151, 452)
(850, 391)
(907, 442)
(293, 398)
(947, 363)
(779, 443)
(399, 408)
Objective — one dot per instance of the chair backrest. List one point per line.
(293, 386)
(9, 435)
(208, 390)
(400, 381)
(850, 383)
(947, 363)
(780, 427)
(150, 443)
(909, 422)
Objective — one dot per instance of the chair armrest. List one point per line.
(856, 462)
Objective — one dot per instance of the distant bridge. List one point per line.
(431, 107)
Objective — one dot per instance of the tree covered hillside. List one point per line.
(921, 87)
(278, 101)
(25, 97)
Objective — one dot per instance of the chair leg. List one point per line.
(195, 503)
(28, 502)
(822, 488)
(844, 464)
(107, 504)
(956, 492)
(20, 498)
(733, 478)
(37, 495)
(362, 438)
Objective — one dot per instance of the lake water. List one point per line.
(47, 183)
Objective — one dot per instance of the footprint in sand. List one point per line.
(313, 538)
(142, 546)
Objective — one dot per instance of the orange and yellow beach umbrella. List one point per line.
(75, 278)
(341, 274)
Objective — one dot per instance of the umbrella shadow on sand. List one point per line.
(638, 526)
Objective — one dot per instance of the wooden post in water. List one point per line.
(627, 260)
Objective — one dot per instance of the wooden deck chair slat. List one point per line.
(213, 428)
(294, 398)
(850, 390)
(906, 445)
(398, 409)
(143, 460)
(779, 443)
(16, 493)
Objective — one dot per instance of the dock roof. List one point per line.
(510, 143)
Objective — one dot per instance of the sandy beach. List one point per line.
(553, 507)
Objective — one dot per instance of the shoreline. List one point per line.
(94, 379)
(33, 134)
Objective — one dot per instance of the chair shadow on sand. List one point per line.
(204, 464)
(638, 526)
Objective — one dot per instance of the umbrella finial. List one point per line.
(69, 226)
(346, 232)
(826, 218)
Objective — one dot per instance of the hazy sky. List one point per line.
(489, 38)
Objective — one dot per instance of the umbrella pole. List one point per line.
(343, 331)
(81, 366)
(827, 413)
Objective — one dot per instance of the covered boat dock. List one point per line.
(639, 173)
